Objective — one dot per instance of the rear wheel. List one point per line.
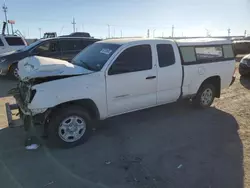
(205, 96)
(69, 127)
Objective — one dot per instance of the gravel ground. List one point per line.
(171, 146)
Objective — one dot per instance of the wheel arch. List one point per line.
(87, 104)
(11, 66)
(216, 82)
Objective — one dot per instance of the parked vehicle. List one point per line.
(49, 35)
(10, 43)
(114, 77)
(61, 48)
(244, 67)
(77, 34)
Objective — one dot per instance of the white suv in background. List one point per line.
(10, 43)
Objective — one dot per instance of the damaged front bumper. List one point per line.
(20, 103)
(23, 108)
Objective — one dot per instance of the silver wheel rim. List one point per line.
(206, 97)
(15, 73)
(72, 128)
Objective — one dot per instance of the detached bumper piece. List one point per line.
(12, 123)
(22, 109)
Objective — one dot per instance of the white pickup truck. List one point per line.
(118, 76)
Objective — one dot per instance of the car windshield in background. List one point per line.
(95, 56)
(14, 41)
(30, 46)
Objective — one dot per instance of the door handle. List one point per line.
(150, 77)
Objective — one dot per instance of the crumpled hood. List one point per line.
(39, 67)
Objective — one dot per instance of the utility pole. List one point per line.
(74, 25)
(172, 31)
(154, 32)
(114, 33)
(5, 8)
(245, 33)
(108, 30)
(228, 31)
(208, 34)
(162, 34)
(148, 34)
(121, 33)
(40, 32)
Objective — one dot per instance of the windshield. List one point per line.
(95, 56)
(30, 46)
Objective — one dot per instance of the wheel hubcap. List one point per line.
(72, 128)
(207, 97)
(15, 73)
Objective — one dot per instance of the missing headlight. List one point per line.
(32, 95)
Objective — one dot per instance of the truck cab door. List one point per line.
(131, 80)
(169, 73)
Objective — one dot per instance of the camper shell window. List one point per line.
(206, 54)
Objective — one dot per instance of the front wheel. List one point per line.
(13, 72)
(69, 127)
(205, 96)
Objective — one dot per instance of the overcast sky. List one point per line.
(131, 17)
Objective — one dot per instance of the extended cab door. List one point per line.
(131, 80)
(169, 73)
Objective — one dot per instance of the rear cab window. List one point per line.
(166, 56)
(14, 41)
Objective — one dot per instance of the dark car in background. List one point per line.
(64, 48)
(244, 66)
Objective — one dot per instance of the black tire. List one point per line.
(12, 71)
(198, 99)
(54, 139)
(243, 73)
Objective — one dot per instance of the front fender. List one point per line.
(53, 93)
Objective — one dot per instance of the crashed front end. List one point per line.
(24, 95)
(34, 99)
